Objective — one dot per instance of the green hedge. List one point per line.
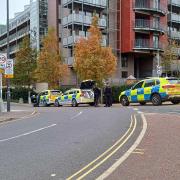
(20, 92)
(116, 90)
(17, 93)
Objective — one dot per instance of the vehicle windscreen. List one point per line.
(174, 81)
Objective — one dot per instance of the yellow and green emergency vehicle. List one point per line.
(74, 97)
(46, 98)
(155, 90)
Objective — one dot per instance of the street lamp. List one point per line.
(8, 80)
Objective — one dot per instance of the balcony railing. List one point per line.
(97, 3)
(174, 17)
(69, 61)
(148, 25)
(71, 40)
(82, 19)
(148, 5)
(174, 2)
(174, 34)
(145, 44)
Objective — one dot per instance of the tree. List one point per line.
(170, 56)
(92, 61)
(25, 64)
(50, 67)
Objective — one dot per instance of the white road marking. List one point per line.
(128, 153)
(53, 175)
(77, 115)
(28, 133)
(135, 109)
(139, 112)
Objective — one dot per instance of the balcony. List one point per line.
(96, 3)
(149, 6)
(148, 25)
(174, 2)
(174, 35)
(174, 18)
(146, 45)
(71, 40)
(69, 61)
(82, 20)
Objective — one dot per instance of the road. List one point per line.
(58, 142)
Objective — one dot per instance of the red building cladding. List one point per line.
(142, 36)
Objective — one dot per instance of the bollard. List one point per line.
(1, 105)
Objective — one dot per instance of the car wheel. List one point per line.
(175, 101)
(156, 99)
(56, 103)
(142, 103)
(124, 101)
(74, 103)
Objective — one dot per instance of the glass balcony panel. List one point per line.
(146, 44)
(148, 24)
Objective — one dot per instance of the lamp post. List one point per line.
(8, 80)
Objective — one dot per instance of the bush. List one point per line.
(116, 90)
(17, 93)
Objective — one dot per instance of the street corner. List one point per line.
(157, 156)
(16, 115)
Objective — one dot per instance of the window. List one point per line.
(124, 74)
(157, 81)
(138, 85)
(44, 93)
(66, 93)
(149, 83)
(71, 92)
(124, 61)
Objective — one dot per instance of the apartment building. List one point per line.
(137, 30)
(143, 36)
(31, 22)
(174, 30)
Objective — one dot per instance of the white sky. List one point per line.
(14, 6)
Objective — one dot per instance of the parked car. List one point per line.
(45, 98)
(75, 97)
(155, 90)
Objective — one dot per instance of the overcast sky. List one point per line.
(14, 6)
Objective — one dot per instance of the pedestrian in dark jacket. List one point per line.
(108, 95)
(97, 94)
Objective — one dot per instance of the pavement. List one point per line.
(18, 111)
(157, 156)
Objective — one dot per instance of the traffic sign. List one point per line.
(9, 69)
(3, 59)
(159, 70)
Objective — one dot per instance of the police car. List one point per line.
(45, 98)
(155, 90)
(75, 97)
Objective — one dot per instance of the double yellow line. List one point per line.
(107, 154)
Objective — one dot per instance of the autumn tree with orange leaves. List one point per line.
(92, 61)
(25, 64)
(50, 66)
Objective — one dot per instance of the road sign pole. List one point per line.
(0, 85)
(8, 80)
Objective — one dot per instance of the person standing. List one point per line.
(108, 95)
(97, 94)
